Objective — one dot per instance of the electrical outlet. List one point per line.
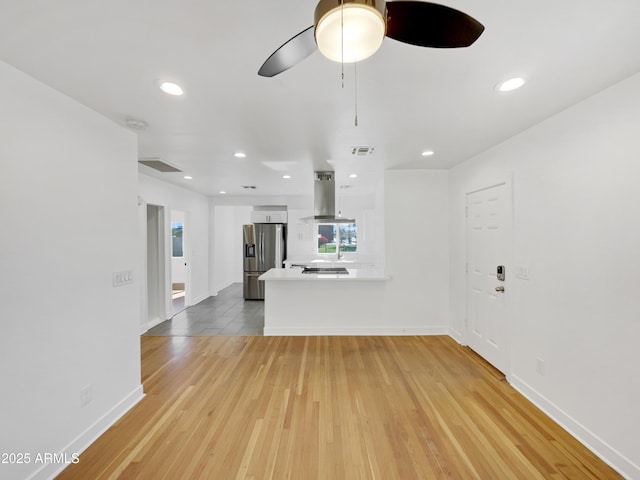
(540, 366)
(86, 395)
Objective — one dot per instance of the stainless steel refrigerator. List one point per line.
(265, 247)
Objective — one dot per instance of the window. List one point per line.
(347, 235)
(332, 234)
(176, 239)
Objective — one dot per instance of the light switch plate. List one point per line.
(122, 278)
(86, 395)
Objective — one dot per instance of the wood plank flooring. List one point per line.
(329, 408)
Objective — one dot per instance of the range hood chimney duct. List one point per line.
(324, 200)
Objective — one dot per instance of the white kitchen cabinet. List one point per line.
(267, 216)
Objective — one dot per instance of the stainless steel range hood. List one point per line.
(324, 200)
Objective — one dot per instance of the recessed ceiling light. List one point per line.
(222, 192)
(353, 175)
(239, 155)
(188, 177)
(511, 84)
(286, 176)
(427, 153)
(171, 88)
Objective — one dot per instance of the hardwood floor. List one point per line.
(329, 408)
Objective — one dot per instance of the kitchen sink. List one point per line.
(326, 270)
(332, 261)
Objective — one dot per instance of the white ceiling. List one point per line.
(110, 56)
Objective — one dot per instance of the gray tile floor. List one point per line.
(226, 314)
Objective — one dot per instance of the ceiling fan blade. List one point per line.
(431, 25)
(290, 53)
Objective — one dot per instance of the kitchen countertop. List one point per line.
(355, 274)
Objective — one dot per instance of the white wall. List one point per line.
(196, 208)
(68, 205)
(226, 244)
(416, 220)
(577, 230)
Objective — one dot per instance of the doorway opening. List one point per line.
(156, 285)
(178, 261)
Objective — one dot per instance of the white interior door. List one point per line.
(489, 228)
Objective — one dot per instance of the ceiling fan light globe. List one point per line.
(350, 32)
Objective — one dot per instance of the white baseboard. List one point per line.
(90, 435)
(144, 328)
(608, 454)
(149, 325)
(218, 288)
(457, 336)
(359, 331)
(199, 298)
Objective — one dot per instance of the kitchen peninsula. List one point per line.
(298, 303)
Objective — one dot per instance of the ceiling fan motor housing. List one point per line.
(349, 30)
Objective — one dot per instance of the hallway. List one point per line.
(225, 314)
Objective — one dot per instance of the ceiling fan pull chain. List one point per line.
(342, 39)
(355, 71)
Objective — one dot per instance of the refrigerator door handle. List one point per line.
(278, 246)
(262, 246)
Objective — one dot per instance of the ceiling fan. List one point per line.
(351, 30)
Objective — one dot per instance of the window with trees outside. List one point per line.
(337, 235)
(176, 239)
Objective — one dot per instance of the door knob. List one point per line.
(500, 289)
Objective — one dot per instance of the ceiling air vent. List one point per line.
(362, 151)
(158, 164)
(249, 187)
